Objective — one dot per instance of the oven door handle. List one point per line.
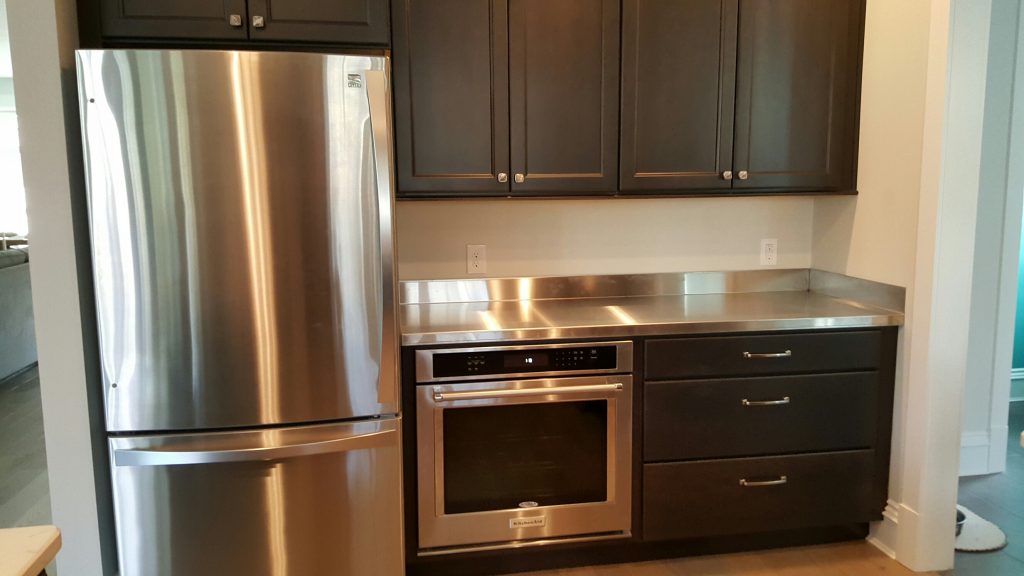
(440, 396)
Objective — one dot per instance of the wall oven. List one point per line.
(523, 445)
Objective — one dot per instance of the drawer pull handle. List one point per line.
(759, 483)
(786, 354)
(784, 400)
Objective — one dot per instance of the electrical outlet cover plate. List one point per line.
(769, 252)
(476, 258)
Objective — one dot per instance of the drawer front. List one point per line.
(707, 498)
(695, 419)
(707, 356)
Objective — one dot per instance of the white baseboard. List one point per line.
(885, 534)
(974, 453)
(998, 436)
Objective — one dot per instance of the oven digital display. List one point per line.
(526, 360)
(572, 359)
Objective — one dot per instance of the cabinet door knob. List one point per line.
(502, 177)
(727, 175)
(744, 175)
(258, 22)
(235, 20)
(520, 178)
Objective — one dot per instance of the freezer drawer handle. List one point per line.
(130, 457)
(440, 396)
(759, 483)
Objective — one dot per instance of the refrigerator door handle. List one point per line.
(386, 434)
(380, 127)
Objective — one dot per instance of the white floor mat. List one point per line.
(978, 534)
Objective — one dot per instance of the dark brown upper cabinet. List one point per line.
(797, 94)
(506, 97)
(177, 19)
(740, 96)
(338, 22)
(678, 94)
(321, 21)
(451, 96)
(564, 95)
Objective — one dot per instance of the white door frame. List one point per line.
(935, 340)
(997, 249)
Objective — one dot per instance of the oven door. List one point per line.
(502, 462)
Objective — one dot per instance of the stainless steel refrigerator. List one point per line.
(241, 223)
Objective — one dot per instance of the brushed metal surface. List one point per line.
(440, 530)
(241, 237)
(623, 317)
(334, 511)
(425, 361)
(859, 290)
(609, 286)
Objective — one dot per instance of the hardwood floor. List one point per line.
(846, 559)
(24, 487)
(998, 498)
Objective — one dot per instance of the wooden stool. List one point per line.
(27, 551)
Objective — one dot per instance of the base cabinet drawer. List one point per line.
(725, 418)
(713, 356)
(740, 496)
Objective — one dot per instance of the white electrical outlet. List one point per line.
(476, 258)
(769, 252)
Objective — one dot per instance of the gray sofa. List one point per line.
(17, 325)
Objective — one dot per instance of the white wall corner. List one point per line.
(983, 452)
(1017, 385)
(997, 441)
(885, 534)
(974, 453)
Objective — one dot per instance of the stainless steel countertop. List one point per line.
(618, 317)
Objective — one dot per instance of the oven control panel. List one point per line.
(434, 365)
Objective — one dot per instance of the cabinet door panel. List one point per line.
(678, 94)
(796, 93)
(176, 19)
(564, 95)
(451, 96)
(322, 21)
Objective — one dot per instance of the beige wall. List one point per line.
(606, 236)
(874, 235)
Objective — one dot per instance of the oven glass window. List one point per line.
(499, 457)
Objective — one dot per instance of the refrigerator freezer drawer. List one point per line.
(320, 499)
